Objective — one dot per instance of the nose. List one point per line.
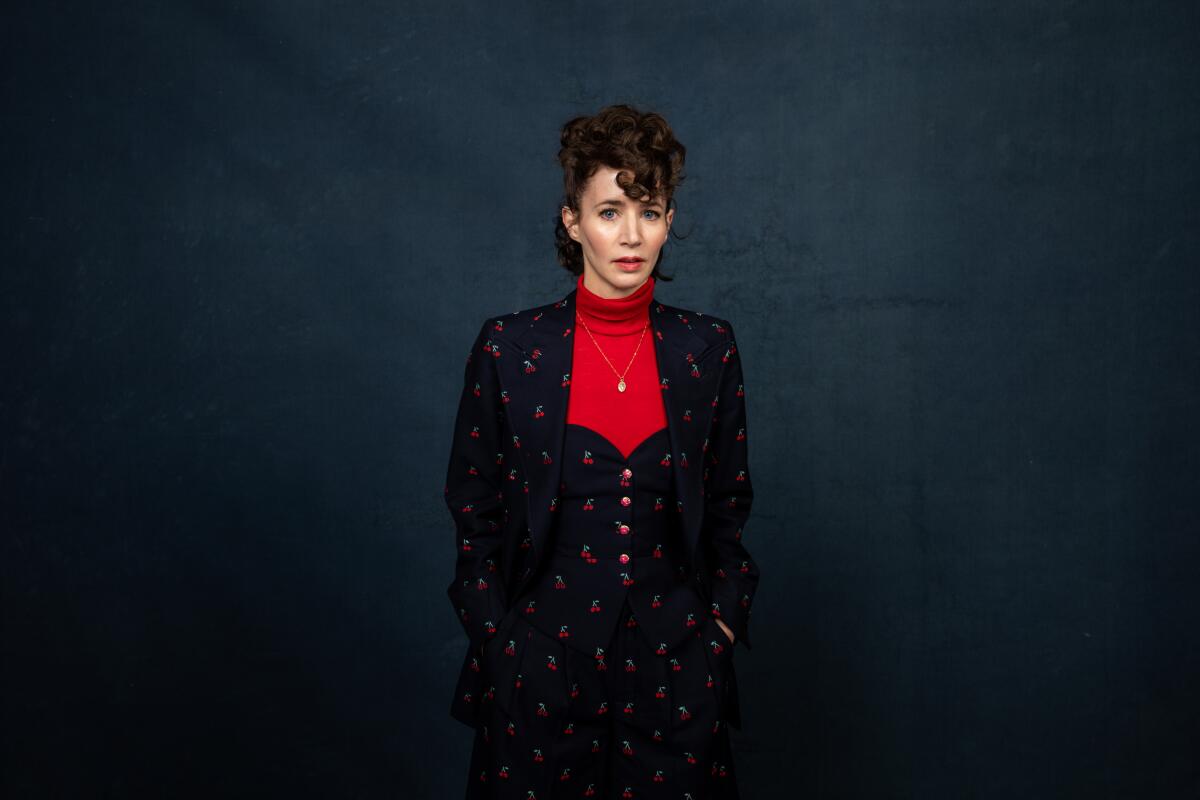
(631, 231)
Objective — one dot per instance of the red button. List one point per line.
(624, 558)
(624, 529)
(625, 501)
(627, 473)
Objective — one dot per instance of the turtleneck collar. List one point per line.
(617, 315)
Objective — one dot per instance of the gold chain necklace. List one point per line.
(620, 375)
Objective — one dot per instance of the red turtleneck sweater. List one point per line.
(626, 418)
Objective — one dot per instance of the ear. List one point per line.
(670, 217)
(570, 221)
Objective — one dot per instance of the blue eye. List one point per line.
(655, 213)
(606, 211)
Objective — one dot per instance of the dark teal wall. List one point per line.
(246, 246)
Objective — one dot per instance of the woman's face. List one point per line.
(621, 237)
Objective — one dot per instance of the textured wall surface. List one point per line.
(245, 249)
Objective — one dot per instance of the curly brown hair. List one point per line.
(618, 137)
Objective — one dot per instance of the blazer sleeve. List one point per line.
(728, 494)
(474, 493)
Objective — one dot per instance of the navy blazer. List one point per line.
(504, 469)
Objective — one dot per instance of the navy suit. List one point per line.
(504, 470)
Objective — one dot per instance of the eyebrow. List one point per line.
(621, 201)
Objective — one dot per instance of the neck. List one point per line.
(615, 316)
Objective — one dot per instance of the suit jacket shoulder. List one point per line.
(513, 326)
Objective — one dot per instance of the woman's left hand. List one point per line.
(725, 628)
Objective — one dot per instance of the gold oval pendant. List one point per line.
(620, 386)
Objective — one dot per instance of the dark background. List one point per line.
(246, 247)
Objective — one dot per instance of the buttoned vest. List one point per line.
(617, 536)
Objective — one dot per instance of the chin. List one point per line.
(623, 278)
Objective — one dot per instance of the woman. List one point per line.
(599, 484)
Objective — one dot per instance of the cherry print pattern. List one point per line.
(539, 503)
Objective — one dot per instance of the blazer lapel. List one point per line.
(537, 383)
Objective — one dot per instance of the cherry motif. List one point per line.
(660, 692)
(658, 737)
(559, 583)
(562, 632)
(474, 434)
(629, 707)
(684, 713)
(537, 755)
(658, 776)
(531, 607)
(541, 710)
(587, 457)
(503, 772)
(630, 666)
(656, 601)
(590, 505)
(529, 367)
(595, 609)
(551, 663)
(566, 380)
